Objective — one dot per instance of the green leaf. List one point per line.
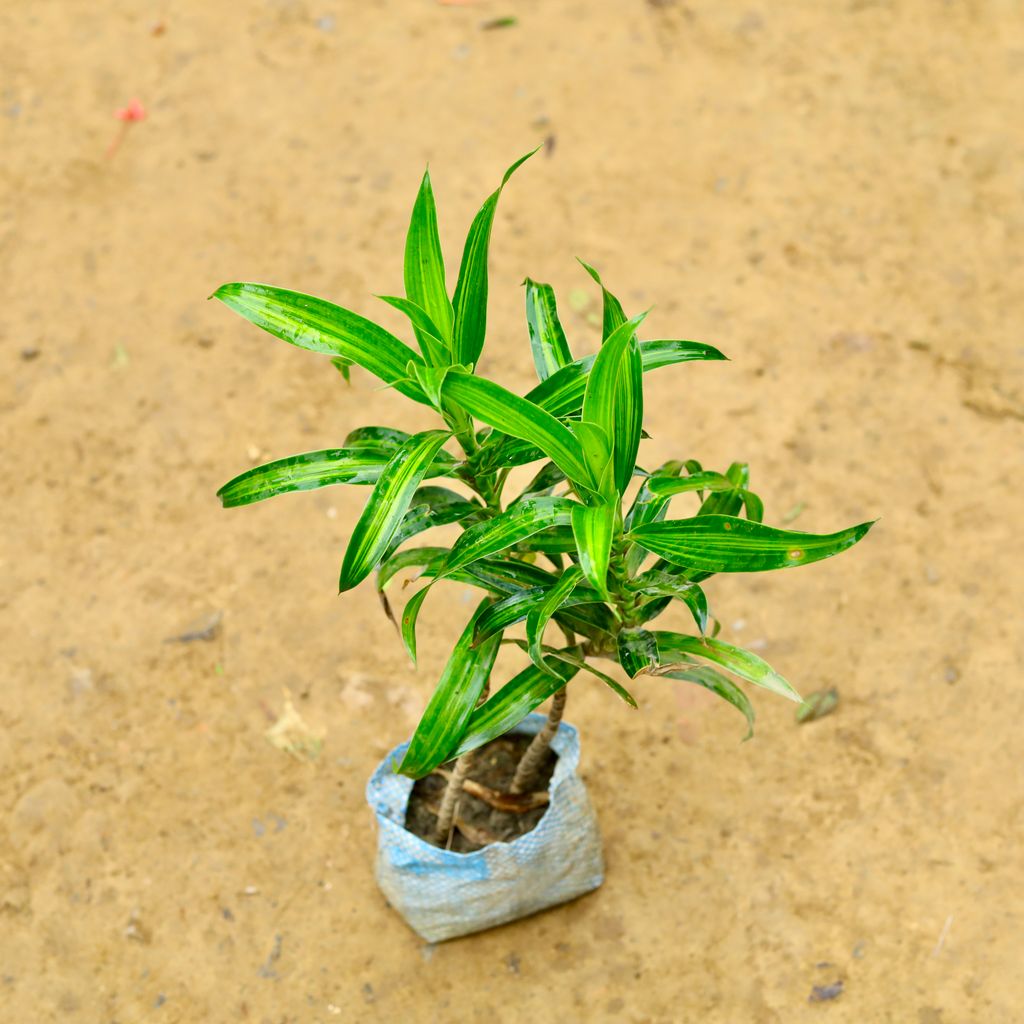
(430, 379)
(343, 365)
(540, 614)
(595, 442)
(305, 473)
(518, 417)
(470, 299)
(711, 679)
(753, 505)
(494, 575)
(547, 478)
(504, 577)
(613, 684)
(507, 612)
(547, 339)
(517, 606)
(508, 575)
(320, 326)
(511, 704)
(388, 504)
(516, 523)
(410, 614)
(562, 393)
(638, 651)
(458, 690)
(613, 399)
(739, 474)
(428, 334)
(727, 502)
(559, 540)
(668, 352)
(428, 559)
(612, 314)
(593, 527)
(424, 265)
(657, 583)
(673, 647)
(592, 620)
(379, 437)
(666, 486)
(647, 508)
(432, 506)
(729, 544)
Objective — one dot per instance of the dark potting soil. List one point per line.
(477, 823)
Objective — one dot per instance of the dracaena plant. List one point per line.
(614, 559)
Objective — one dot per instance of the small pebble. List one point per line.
(80, 682)
(30, 353)
(822, 993)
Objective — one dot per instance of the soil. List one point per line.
(828, 192)
(477, 822)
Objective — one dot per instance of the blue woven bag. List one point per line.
(443, 894)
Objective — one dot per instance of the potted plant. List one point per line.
(614, 562)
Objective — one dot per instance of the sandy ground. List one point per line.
(831, 193)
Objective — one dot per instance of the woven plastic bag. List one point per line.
(443, 894)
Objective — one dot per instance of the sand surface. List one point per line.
(830, 193)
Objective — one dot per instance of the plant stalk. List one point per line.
(530, 762)
(453, 791)
(450, 800)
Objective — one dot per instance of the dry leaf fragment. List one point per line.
(291, 734)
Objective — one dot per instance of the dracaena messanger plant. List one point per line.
(598, 519)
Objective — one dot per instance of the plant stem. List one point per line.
(450, 800)
(530, 762)
(453, 791)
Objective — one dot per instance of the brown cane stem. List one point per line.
(530, 762)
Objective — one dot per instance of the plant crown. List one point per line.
(616, 560)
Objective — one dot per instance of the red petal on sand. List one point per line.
(135, 111)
